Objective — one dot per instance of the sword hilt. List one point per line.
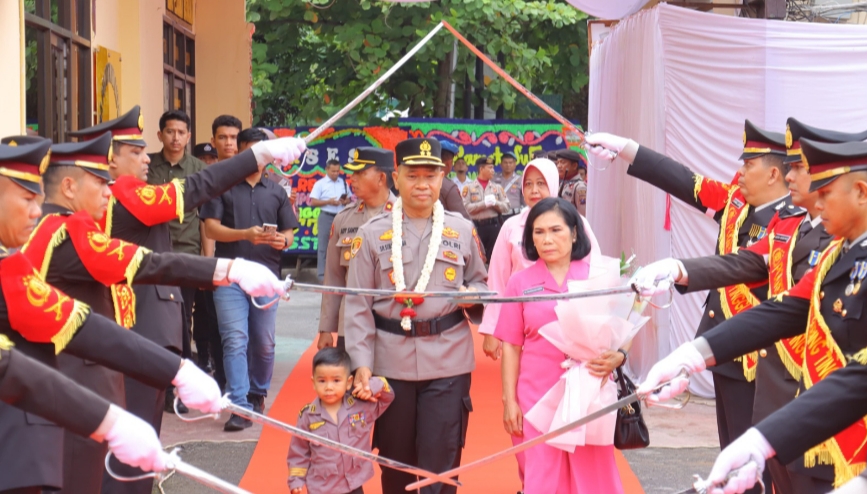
(701, 486)
(683, 374)
(215, 416)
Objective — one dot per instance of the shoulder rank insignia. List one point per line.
(451, 233)
(387, 235)
(389, 206)
(310, 407)
(331, 233)
(315, 425)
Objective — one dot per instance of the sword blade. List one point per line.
(548, 296)
(348, 450)
(529, 444)
(462, 297)
(206, 478)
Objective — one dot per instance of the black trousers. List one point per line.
(488, 235)
(189, 295)
(426, 426)
(734, 413)
(146, 403)
(23, 490)
(206, 333)
(804, 484)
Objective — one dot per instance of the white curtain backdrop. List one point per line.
(682, 82)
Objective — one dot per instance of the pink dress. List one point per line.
(590, 469)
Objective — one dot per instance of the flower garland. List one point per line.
(436, 238)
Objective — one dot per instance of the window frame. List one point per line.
(179, 28)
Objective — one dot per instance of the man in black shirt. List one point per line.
(253, 220)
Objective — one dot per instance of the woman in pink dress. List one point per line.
(554, 238)
(540, 180)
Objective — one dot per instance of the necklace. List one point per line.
(436, 237)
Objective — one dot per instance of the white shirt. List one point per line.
(325, 189)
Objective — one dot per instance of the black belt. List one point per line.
(427, 327)
(326, 212)
(488, 221)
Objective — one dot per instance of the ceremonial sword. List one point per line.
(704, 486)
(627, 400)
(322, 441)
(175, 464)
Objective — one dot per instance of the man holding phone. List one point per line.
(253, 220)
(330, 194)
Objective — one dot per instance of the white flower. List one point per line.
(436, 238)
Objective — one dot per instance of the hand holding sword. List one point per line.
(174, 464)
(709, 486)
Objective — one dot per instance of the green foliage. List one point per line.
(311, 57)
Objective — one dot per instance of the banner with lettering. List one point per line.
(474, 138)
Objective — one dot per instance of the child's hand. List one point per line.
(362, 384)
(296, 491)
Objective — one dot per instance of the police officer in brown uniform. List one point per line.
(140, 214)
(827, 308)
(486, 201)
(78, 258)
(573, 187)
(371, 183)
(744, 212)
(423, 347)
(43, 321)
(510, 180)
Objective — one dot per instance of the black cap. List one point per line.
(417, 152)
(509, 154)
(795, 131)
(25, 163)
(484, 160)
(828, 161)
(92, 156)
(126, 129)
(368, 157)
(572, 155)
(759, 142)
(204, 149)
(20, 140)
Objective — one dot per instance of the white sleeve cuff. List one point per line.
(221, 273)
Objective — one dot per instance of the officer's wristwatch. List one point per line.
(625, 356)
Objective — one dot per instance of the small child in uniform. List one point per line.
(339, 416)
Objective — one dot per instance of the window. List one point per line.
(179, 71)
(58, 66)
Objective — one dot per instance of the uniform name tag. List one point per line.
(737, 202)
(782, 238)
(537, 289)
(814, 257)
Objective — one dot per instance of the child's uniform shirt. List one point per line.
(324, 470)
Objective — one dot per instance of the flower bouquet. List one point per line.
(585, 328)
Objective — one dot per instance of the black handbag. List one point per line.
(630, 431)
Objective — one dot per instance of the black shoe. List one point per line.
(236, 423)
(258, 402)
(170, 404)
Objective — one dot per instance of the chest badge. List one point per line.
(316, 425)
(451, 233)
(838, 306)
(357, 419)
(814, 258)
(450, 274)
(346, 255)
(346, 240)
(450, 255)
(387, 235)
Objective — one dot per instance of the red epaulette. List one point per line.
(38, 311)
(150, 204)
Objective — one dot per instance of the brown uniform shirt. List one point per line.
(474, 200)
(324, 470)
(459, 262)
(513, 187)
(343, 230)
(574, 190)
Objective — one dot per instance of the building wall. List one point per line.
(11, 109)
(223, 66)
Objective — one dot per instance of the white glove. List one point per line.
(490, 201)
(196, 389)
(134, 442)
(604, 146)
(255, 279)
(686, 357)
(656, 277)
(281, 152)
(747, 453)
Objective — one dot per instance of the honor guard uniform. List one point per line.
(323, 470)
(42, 322)
(574, 188)
(75, 256)
(513, 187)
(829, 302)
(424, 347)
(140, 213)
(794, 243)
(741, 225)
(486, 205)
(343, 230)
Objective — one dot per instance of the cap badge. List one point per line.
(745, 138)
(140, 122)
(44, 164)
(789, 140)
(12, 143)
(355, 156)
(424, 147)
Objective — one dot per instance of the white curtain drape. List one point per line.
(682, 82)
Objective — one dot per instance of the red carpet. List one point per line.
(267, 472)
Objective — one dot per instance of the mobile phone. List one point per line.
(270, 228)
(342, 197)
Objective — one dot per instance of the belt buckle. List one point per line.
(422, 328)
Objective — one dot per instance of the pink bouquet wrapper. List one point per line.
(585, 328)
